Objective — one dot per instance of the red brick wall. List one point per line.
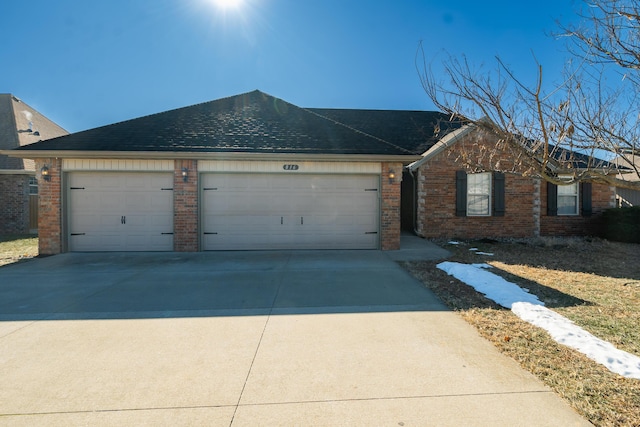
(14, 204)
(525, 195)
(49, 207)
(390, 207)
(436, 183)
(437, 206)
(602, 198)
(185, 214)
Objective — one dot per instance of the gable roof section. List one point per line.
(562, 160)
(253, 122)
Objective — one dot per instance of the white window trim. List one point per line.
(576, 195)
(490, 175)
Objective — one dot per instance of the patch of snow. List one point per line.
(568, 333)
(473, 249)
(453, 242)
(530, 309)
(485, 253)
(492, 286)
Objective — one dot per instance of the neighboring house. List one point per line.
(626, 197)
(255, 172)
(20, 125)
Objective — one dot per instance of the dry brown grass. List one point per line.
(595, 283)
(17, 248)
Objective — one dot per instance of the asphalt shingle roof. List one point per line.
(414, 131)
(259, 123)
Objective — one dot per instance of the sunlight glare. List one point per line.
(228, 4)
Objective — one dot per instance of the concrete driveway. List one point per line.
(246, 339)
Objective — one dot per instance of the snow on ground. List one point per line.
(530, 309)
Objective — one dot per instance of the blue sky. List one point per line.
(89, 63)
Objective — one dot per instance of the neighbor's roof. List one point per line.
(20, 125)
(255, 122)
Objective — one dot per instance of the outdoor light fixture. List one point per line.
(392, 176)
(44, 172)
(185, 174)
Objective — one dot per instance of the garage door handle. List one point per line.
(123, 220)
(281, 220)
(301, 221)
(165, 233)
(209, 233)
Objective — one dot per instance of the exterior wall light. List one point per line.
(185, 174)
(44, 172)
(392, 176)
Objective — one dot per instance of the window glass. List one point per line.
(33, 185)
(568, 199)
(479, 194)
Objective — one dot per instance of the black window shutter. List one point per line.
(498, 194)
(586, 199)
(461, 193)
(552, 199)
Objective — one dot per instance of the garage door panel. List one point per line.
(120, 211)
(263, 211)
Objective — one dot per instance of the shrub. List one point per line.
(622, 224)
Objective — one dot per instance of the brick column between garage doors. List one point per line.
(185, 206)
(390, 207)
(49, 207)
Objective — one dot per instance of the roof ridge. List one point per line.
(356, 130)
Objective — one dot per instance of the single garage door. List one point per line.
(115, 211)
(273, 211)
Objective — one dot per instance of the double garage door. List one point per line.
(271, 211)
(128, 211)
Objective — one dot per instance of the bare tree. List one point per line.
(571, 128)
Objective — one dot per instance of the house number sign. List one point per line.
(291, 167)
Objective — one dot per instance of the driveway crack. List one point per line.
(266, 323)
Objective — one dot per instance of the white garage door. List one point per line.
(120, 211)
(271, 211)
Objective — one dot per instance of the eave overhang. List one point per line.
(185, 155)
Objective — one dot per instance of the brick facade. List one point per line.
(50, 207)
(390, 207)
(524, 194)
(185, 203)
(602, 197)
(14, 203)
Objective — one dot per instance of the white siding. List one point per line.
(117, 165)
(368, 168)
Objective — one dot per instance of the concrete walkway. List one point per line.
(248, 339)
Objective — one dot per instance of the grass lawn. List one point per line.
(594, 283)
(14, 248)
